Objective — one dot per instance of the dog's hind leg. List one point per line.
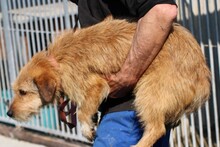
(150, 109)
(153, 130)
(95, 93)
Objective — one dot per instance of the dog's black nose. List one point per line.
(10, 113)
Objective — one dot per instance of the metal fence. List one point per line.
(202, 18)
(27, 26)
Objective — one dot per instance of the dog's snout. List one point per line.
(10, 113)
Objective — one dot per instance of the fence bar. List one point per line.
(66, 14)
(218, 47)
(7, 34)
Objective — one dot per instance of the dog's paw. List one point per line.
(90, 135)
(88, 131)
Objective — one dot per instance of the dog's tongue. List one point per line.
(71, 113)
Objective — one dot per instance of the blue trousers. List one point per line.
(122, 129)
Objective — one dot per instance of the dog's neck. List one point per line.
(53, 61)
(60, 99)
(56, 65)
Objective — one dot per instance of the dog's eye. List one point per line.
(22, 92)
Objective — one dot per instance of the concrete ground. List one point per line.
(10, 142)
(22, 137)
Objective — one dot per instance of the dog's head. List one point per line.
(35, 86)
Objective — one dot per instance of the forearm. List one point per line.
(151, 33)
(149, 38)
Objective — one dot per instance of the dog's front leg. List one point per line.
(95, 94)
(87, 126)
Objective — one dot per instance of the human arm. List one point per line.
(151, 33)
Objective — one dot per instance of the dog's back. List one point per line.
(101, 48)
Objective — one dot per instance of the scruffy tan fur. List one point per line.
(177, 82)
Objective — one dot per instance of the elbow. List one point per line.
(167, 12)
(164, 13)
(172, 14)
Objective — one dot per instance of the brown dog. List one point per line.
(177, 81)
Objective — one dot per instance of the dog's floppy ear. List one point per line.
(46, 85)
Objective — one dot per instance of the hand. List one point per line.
(120, 84)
